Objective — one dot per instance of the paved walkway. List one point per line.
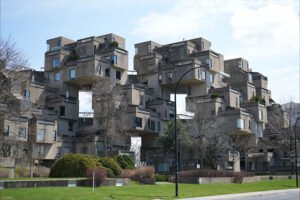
(245, 195)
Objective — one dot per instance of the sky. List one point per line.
(264, 32)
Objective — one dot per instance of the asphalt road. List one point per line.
(269, 195)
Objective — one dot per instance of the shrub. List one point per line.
(127, 173)
(21, 171)
(4, 172)
(114, 44)
(212, 173)
(72, 165)
(41, 172)
(124, 161)
(111, 164)
(144, 172)
(162, 177)
(100, 174)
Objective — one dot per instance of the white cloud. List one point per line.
(270, 30)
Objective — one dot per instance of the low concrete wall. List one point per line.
(208, 180)
(60, 183)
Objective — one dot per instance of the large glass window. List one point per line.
(22, 132)
(72, 73)
(41, 135)
(6, 130)
(57, 76)
(203, 75)
(55, 62)
(118, 75)
(114, 59)
(240, 123)
(211, 78)
(138, 122)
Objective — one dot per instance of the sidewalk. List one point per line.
(241, 195)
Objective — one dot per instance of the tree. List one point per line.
(206, 130)
(110, 106)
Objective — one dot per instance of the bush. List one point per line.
(144, 172)
(100, 175)
(212, 173)
(72, 165)
(4, 172)
(124, 161)
(114, 44)
(127, 173)
(111, 164)
(21, 171)
(161, 177)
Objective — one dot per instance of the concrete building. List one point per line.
(226, 90)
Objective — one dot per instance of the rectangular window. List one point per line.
(26, 94)
(250, 78)
(72, 73)
(58, 152)
(138, 122)
(114, 59)
(107, 72)
(141, 100)
(149, 47)
(260, 116)
(70, 126)
(57, 76)
(100, 69)
(189, 91)
(203, 75)
(118, 75)
(158, 126)
(159, 77)
(171, 114)
(211, 78)
(62, 110)
(149, 124)
(41, 150)
(67, 150)
(55, 62)
(208, 62)
(6, 130)
(240, 64)
(54, 135)
(40, 137)
(170, 76)
(22, 133)
(240, 123)
(152, 125)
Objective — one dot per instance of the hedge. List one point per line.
(72, 165)
(110, 164)
(124, 161)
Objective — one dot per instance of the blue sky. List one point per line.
(266, 33)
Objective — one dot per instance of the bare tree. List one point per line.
(110, 111)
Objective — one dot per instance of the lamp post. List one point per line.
(175, 131)
(296, 154)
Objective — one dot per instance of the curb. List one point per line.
(249, 194)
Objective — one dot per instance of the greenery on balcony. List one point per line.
(258, 99)
(214, 96)
(114, 44)
(73, 57)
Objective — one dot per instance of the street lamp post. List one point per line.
(296, 154)
(175, 131)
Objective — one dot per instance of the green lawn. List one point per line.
(135, 191)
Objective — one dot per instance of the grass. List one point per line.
(136, 191)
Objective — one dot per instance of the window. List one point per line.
(208, 62)
(67, 94)
(158, 126)
(240, 64)
(72, 73)
(141, 100)
(58, 152)
(171, 114)
(211, 78)
(67, 150)
(22, 133)
(260, 116)
(149, 47)
(149, 124)
(250, 77)
(26, 94)
(41, 150)
(152, 125)
(138, 122)
(61, 110)
(159, 77)
(40, 135)
(240, 123)
(203, 75)
(6, 130)
(70, 126)
(54, 135)
(57, 76)
(99, 69)
(55, 62)
(170, 76)
(59, 43)
(107, 72)
(114, 59)
(189, 91)
(118, 75)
